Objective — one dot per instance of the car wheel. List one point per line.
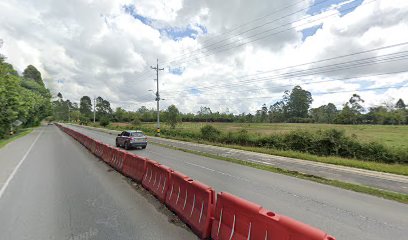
(117, 143)
(143, 147)
(126, 145)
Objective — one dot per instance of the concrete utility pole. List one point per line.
(94, 105)
(157, 96)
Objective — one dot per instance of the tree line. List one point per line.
(293, 108)
(24, 99)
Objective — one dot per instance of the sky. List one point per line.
(232, 56)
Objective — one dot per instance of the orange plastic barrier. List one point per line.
(99, 149)
(117, 158)
(107, 153)
(134, 167)
(93, 146)
(156, 179)
(193, 202)
(236, 218)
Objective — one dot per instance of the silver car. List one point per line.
(131, 139)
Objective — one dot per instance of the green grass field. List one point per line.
(391, 136)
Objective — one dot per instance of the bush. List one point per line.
(136, 122)
(210, 133)
(83, 120)
(104, 122)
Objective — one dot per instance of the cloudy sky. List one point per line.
(229, 55)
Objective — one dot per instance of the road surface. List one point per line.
(61, 191)
(342, 213)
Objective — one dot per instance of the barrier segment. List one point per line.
(156, 179)
(107, 153)
(117, 158)
(193, 202)
(134, 167)
(236, 218)
(99, 149)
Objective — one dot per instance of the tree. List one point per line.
(298, 102)
(400, 104)
(205, 112)
(121, 115)
(103, 109)
(172, 116)
(347, 115)
(355, 102)
(1, 55)
(32, 73)
(277, 112)
(85, 106)
(324, 114)
(19, 103)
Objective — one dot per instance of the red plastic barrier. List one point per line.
(117, 158)
(193, 202)
(93, 146)
(134, 167)
(87, 142)
(236, 218)
(156, 179)
(107, 153)
(99, 149)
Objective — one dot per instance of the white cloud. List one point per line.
(97, 49)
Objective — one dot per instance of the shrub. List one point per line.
(210, 133)
(104, 122)
(136, 122)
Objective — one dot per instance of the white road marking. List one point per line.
(219, 172)
(3, 188)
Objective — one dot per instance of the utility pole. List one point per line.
(94, 108)
(157, 96)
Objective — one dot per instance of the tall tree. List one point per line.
(172, 116)
(400, 104)
(103, 109)
(277, 112)
(32, 73)
(324, 114)
(121, 115)
(355, 102)
(298, 102)
(85, 106)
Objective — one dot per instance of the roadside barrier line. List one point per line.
(4, 187)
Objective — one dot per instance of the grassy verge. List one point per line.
(399, 197)
(4, 142)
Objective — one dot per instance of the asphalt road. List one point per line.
(51, 187)
(344, 214)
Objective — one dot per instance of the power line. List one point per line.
(212, 52)
(339, 66)
(231, 30)
(307, 83)
(252, 29)
(356, 90)
(278, 27)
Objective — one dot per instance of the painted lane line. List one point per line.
(219, 172)
(3, 188)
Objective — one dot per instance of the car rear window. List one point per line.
(137, 134)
